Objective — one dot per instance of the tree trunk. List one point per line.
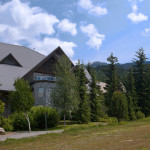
(27, 117)
(64, 118)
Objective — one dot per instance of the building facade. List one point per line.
(37, 69)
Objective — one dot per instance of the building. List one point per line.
(22, 62)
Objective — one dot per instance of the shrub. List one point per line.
(112, 120)
(38, 115)
(119, 106)
(6, 123)
(19, 122)
(140, 115)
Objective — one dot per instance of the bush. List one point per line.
(37, 119)
(140, 115)
(38, 115)
(6, 123)
(119, 106)
(112, 120)
(19, 122)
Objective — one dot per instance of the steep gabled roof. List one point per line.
(10, 60)
(54, 54)
(27, 58)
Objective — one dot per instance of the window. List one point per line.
(41, 92)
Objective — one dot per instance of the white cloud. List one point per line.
(91, 8)
(66, 26)
(95, 39)
(21, 22)
(48, 44)
(146, 32)
(136, 16)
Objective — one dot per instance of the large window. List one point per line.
(44, 77)
(41, 92)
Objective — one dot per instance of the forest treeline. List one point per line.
(128, 86)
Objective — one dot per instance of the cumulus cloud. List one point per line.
(95, 39)
(146, 32)
(20, 22)
(91, 8)
(52, 43)
(136, 16)
(66, 26)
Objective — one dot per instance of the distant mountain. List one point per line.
(102, 67)
(125, 65)
(98, 63)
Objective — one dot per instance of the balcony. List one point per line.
(44, 78)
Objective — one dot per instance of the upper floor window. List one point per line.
(44, 77)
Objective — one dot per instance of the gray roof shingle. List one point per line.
(26, 57)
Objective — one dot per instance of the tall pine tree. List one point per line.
(83, 112)
(139, 75)
(112, 82)
(131, 90)
(95, 100)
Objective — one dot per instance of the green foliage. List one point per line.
(2, 106)
(112, 82)
(140, 115)
(131, 108)
(139, 75)
(19, 122)
(119, 106)
(112, 120)
(83, 113)
(65, 96)
(38, 115)
(95, 100)
(22, 99)
(131, 90)
(6, 123)
(146, 93)
(37, 119)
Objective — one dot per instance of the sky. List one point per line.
(87, 30)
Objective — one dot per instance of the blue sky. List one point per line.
(88, 30)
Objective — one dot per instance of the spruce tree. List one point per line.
(146, 93)
(131, 90)
(131, 108)
(112, 82)
(95, 100)
(139, 75)
(119, 106)
(83, 113)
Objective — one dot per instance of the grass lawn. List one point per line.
(126, 136)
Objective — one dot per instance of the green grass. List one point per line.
(93, 136)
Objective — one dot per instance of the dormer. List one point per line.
(10, 60)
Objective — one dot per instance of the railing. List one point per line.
(40, 78)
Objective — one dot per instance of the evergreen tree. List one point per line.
(119, 106)
(89, 68)
(139, 75)
(83, 113)
(131, 108)
(64, 95)
(146, 95)
(131, 90)
(112, 82)
(95, 100)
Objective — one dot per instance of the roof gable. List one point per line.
(55, 54)
(28, 58)
(10, 60)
